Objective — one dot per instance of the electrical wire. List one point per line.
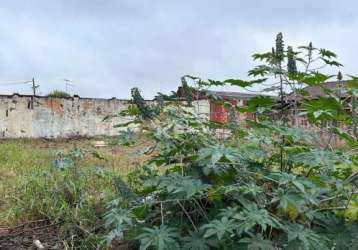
(7, 83)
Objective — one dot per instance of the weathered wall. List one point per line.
(64, 117)
(57, 117)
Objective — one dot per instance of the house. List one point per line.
(215, 103)
(334, 88)
(313, 92)
(219, 112)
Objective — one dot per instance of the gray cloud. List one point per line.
(107, 47)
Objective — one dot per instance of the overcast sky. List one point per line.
(105, 47)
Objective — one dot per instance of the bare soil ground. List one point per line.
(24, 235)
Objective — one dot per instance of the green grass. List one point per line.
(31, 188)
(17, 162)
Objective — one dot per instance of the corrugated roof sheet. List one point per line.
(317, 91)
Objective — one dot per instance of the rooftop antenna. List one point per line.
(68, 84)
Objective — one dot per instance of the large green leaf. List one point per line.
(179, 186)
(258, 103)
(318, 158)
(196, 241)
(211, 157)
(219, 228)
(161, 238)
(301, 237)
(257, 242)
(243, 83)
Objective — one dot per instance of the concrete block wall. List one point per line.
(57, 117)
(66, 117)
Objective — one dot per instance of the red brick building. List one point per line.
(218, 111)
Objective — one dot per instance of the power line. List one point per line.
(14, 82)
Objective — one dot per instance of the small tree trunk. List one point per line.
(354, 117)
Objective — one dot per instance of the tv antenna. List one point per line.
(68, 84)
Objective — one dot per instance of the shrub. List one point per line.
(268, 186)
(59, 94)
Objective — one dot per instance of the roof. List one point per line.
(317, 91)
(234, 95)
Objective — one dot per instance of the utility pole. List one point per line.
(34, 87)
